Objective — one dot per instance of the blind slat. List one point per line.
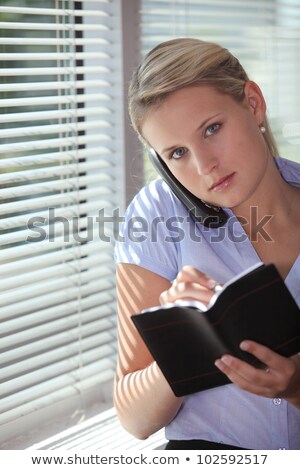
(41, 302)
(37, 263)
(45, 216)
(52, 385)
(48, 56)
(67, 156)
(54, 171)
(41, 288)
(69, 99)
(54, 186)
(70, 197)
(54, 11)
(58, 367)
(104, 29)
(64, 269)
(103, 45)
(57, 390)
(71, 113)
(53, 71)
(62, 394)
(68, 337)
(56, 129)
(50, 226)
(66, 85)
(62, 324)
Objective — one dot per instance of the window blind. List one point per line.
(59, 168)
(264, 35)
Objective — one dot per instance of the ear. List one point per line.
(254, 99)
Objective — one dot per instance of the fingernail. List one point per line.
(218, 363)
(227, 360)
(244, 345)
(211, 283)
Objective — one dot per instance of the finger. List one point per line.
(233, 365)
(190, 274)
(280, 380)
(284, 369)
(272, 359)
(244, 383)
(186, 290)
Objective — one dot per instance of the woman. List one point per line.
(193, 103)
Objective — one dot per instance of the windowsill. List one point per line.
(102, 432)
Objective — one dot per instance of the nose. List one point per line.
(205, 163)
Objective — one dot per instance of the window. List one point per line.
(61, 172)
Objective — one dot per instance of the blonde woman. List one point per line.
(193, 103)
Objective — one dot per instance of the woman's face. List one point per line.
(212, 144)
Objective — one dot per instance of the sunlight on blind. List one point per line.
(58, 133)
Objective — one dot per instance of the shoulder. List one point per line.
(157, 191)
(144, 238)
(155, 198)
(290, 170)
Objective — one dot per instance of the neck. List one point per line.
(273, 206)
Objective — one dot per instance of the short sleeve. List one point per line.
(144, 238)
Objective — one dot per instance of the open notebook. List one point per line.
(185, 338)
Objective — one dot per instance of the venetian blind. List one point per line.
(264, 35)
(59, 137)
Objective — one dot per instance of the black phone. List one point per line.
(208, 215)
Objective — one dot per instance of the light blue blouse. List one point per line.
(158, 234)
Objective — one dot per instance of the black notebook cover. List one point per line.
(185, 341)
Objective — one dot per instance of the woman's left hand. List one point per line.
(280, 378)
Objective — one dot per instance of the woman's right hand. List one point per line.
(189, 284)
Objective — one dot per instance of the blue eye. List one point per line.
(178, 153)
(210, 130)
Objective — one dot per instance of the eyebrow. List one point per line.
(198, 129)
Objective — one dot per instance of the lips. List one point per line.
(222, 183)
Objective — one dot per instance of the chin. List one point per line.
(235, 200)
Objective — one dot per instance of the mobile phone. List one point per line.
(208, 215)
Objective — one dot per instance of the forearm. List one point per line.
(144, 401)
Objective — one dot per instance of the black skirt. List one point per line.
(196, 444)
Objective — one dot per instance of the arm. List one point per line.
(143, 399)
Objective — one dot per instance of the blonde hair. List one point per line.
(184, 62)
